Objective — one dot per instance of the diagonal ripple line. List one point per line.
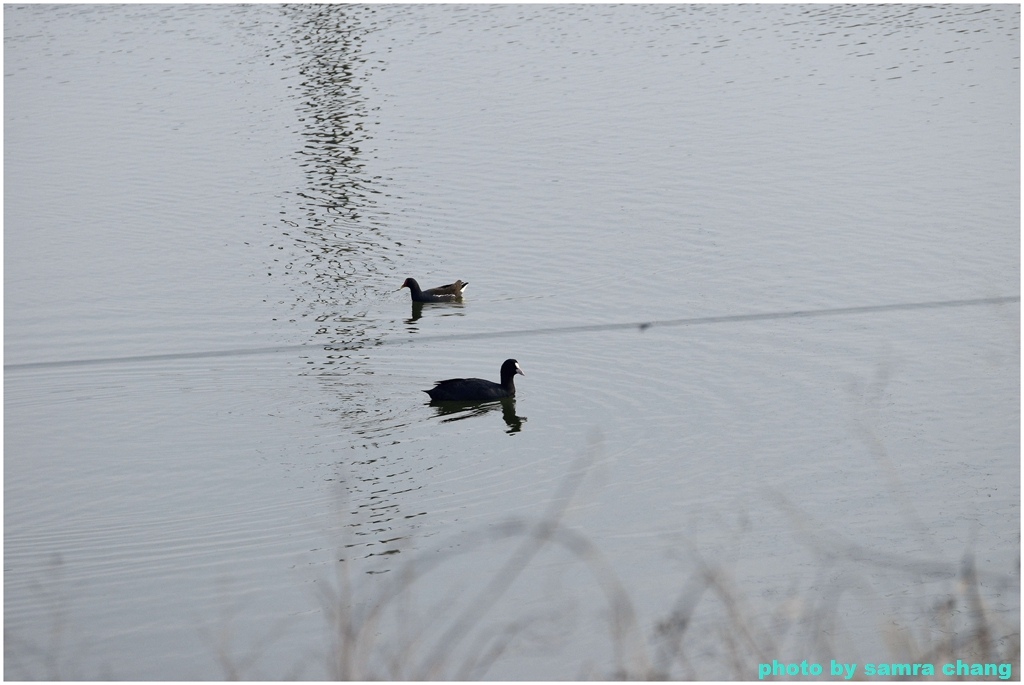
(702, 320)
(554, 330)
(156, 357)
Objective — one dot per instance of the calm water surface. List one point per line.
(215, 440)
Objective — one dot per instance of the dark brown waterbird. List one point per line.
(442, 293)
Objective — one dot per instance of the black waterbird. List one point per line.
(478, 389)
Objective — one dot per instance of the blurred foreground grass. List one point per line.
(708, 628)
(400, 627)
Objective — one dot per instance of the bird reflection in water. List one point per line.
(457, 411)
(417, 311)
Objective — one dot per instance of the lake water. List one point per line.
(218, 458)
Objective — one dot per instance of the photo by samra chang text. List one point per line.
(839, 669)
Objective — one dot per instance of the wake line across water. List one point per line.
(553, 330)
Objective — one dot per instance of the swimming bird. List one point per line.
(477, 389)
(442, 293)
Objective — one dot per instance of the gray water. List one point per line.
(215, 436)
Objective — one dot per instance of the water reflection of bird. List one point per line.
(478, 389)
(442, 293)
(459, 411)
